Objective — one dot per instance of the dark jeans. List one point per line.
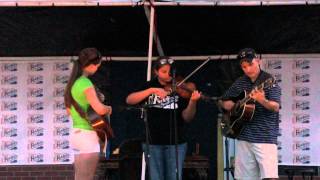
(163, 161)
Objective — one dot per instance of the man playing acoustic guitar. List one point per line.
(256, 146)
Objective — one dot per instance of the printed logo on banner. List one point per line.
(9, 79)
(9, 132)
(61, 157)
(35, 79)
(280, 118)
(35, 105)
(274, 64)
(280, 131)
(301, 118)
(59, 105)
(279, 158)
(301, 132)
(61, 66)
(35, 92)
(301, 91)
(9, 158)
(301, 78)
(301, 146)
(60, 79)
(61, 118)
(61, 144)
(9, 67)
(58, 92)
(9, 119)
(301, 105)
(301, 159)
(35, 67)
(9, 93)
(35, 158)
(279, 144)
(35, 131)
(35, 144)
(9, 145)
(278, 77)
(35, 118)
(301, 64)
(61, 131)
(9, 106)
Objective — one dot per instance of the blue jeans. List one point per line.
(163, 161)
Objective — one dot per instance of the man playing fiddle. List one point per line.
(162, 139)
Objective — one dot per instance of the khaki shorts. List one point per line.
(256, 161)
(84, 141)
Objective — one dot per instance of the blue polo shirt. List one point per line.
(264, 126)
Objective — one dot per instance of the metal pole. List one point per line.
(150, 43)
(155, 35)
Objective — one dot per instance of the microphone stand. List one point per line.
(227, 168)
(174, 118)
(174, 88)
(144, 116)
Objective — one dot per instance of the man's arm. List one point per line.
(259, 96)
(270, 105)
(226, 105)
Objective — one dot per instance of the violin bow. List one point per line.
(194, 71)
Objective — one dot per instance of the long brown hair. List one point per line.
(86, 57)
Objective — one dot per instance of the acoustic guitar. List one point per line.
(233, 122)
(101, 124)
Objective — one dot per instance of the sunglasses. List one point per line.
(166, 61)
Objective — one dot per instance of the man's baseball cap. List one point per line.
(246, 54)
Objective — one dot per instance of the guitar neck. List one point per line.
(244, 100)
(247, 97)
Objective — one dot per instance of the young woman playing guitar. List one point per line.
(80, 94)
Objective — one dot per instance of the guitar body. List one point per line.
(235, 120)
(100, 124)
(242, 112)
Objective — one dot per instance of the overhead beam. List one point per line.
(176, 58)
(67, 3)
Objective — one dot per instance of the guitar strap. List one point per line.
(263, 76)
(108, 129)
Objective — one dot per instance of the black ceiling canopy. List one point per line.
(124, 31)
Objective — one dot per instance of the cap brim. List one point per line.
(249, 60)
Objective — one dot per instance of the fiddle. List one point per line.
(185, 89)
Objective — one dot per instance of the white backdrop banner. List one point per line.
(300, 106)
(34, 125)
